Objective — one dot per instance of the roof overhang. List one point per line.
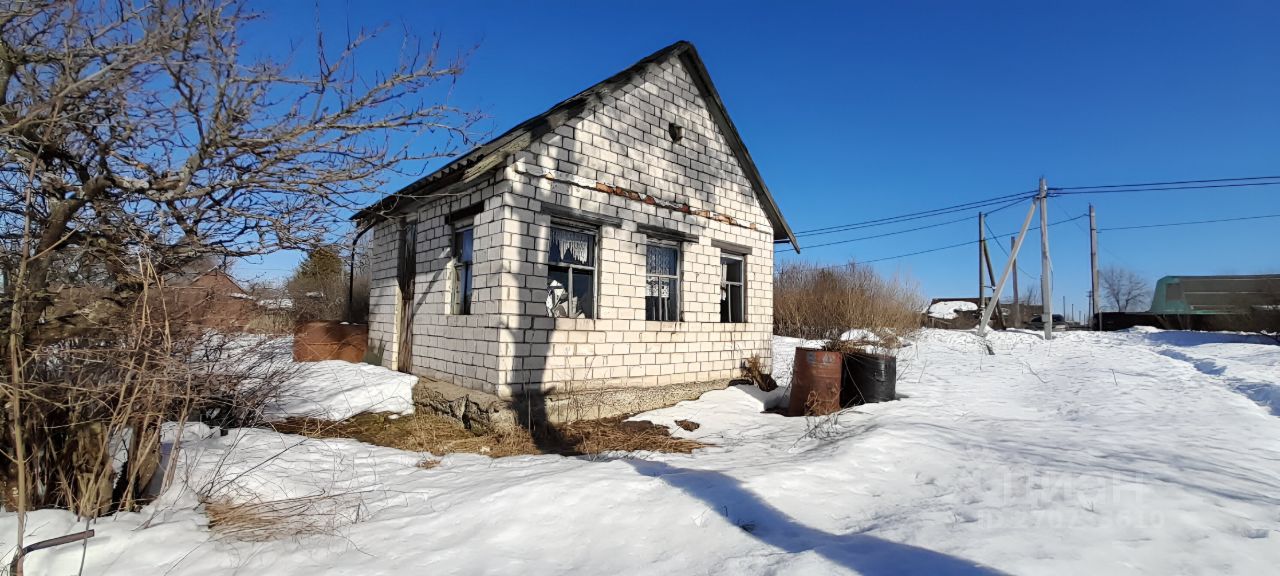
(493, 154)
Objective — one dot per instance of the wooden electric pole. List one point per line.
(1017, 306)
(1095, 319)
(1046, 280)
(1013, 256)
(995, 301)
(982, 278)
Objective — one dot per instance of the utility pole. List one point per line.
(1046, 282)
(1013, 256)
(995, 300)
(1095, 320)
(1017, 306)
(982, 279)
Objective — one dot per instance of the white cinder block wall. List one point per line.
(617, 160)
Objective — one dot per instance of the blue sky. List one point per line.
(856, 111)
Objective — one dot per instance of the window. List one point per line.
(571, 273)
(662, 283)
(462, 277)
(732, 287)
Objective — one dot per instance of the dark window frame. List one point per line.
(575, 271)
(652, 278)
(463, 276)
(727, 292)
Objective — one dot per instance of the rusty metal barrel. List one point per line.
(317, 341)
(815, 383)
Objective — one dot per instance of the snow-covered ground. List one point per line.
(337, 390)
(330, 390)
(947, 310)
(1142, 453)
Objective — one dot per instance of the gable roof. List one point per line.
(495, 152)
(187, 278)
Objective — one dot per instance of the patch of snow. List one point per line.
(337, 390)
(1101, 453)
(276, 303)
(947, 310)
(172, 432)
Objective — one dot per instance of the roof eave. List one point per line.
(485, 157)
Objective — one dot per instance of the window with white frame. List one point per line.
(733, 286)
(462, 265)
(662, 282)
(571, 272)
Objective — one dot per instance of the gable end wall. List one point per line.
(618, 161)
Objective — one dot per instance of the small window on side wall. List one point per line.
(662, 283)
(733, 275)
(571, 273)
(462, 266)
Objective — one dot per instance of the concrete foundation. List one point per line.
(483, 411)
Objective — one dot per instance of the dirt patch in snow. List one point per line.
(439, 436)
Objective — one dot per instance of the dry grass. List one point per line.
(614, 434)
(822, 303)
(276, 519)
(753, 370)
(429, 463)
(440, 435)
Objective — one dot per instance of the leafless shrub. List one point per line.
(135, 139)
(753, 370)
(825, 303)
(93, 408)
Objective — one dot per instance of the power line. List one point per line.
(1203, 184)
(941, 248)
(897, 232)
(1188, 223)
(1169, 183)
(912, 215)
(1162, 188)
(1006, 250)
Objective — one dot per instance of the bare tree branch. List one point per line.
(143, 125)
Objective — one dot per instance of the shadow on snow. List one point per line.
(862, 553)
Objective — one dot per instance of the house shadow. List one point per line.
(861, 553)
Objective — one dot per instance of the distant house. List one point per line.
(622, 240)
(209, 298)
(963, 313)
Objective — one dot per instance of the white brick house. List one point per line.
(622, 241)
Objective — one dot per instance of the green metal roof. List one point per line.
(1215, 294)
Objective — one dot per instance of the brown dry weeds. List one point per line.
(440, 435)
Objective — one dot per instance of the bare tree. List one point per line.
(138, 137)
(143, 128)
(1123, 290)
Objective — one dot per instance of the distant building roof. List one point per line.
(1215, 294)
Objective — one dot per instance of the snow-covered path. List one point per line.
(1139, 452)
